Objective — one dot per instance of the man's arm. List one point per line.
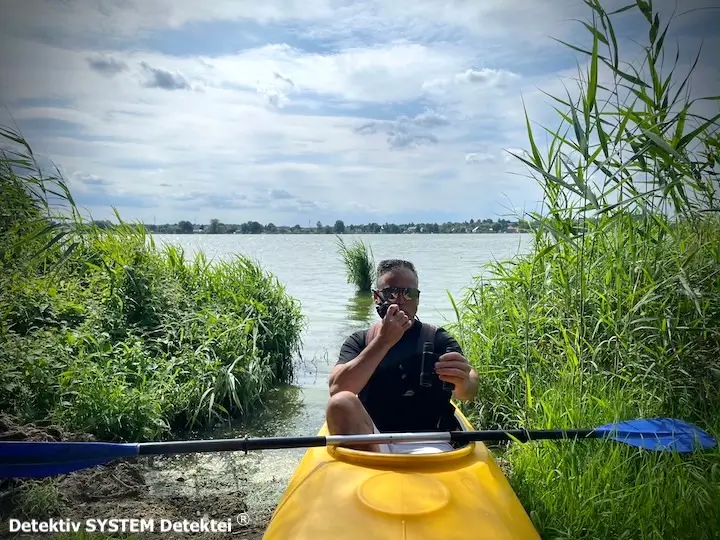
(352, 375)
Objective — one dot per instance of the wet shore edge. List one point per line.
(238, 491)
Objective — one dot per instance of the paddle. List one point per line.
(35, 459)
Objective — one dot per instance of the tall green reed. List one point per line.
(103, 331)
(616, 312)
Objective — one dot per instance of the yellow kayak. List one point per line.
(343, 493)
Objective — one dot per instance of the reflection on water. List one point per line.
(278, 414)
(282, 407)
(359, 308)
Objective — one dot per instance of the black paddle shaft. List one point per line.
(224, 445)
(523, 435)
(271, 443)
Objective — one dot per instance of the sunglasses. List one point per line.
(409, 293)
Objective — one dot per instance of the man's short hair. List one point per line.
(388, 265)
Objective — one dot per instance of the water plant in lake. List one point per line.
(104, 332)
(359, 263)
(615, 314)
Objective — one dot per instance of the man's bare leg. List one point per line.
(346, 416)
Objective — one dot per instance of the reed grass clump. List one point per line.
(615, 313)
(359, 264)
(101, 331)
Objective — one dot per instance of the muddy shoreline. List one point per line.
(174, 488)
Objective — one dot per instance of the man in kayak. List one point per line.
(375, 385)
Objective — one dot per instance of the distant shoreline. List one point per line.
(307, 232)
(487, 226)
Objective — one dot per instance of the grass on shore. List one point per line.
(615, 315)
(359, 264)
(102, 331)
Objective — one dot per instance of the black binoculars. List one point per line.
(427, 376)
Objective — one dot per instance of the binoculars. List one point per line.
(427, 376)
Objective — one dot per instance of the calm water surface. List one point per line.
(312, 271)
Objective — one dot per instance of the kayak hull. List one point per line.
(351, 494)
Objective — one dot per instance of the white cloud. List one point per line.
(386, 73)
(478, 157)
(355, 98)
(128, 17)
(406, 132)
(484, 78)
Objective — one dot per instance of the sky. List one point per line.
(294, 112)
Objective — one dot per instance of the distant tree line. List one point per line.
(472, 226)
(253, 227)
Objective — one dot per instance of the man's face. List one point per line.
(401, 278)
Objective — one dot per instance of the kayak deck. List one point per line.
(339, 492)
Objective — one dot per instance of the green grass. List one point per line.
(102, 331)
(359, 264)
(615, 313)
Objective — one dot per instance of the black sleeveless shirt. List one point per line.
(393, 396)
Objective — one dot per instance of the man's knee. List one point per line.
(343, 403)
(346, 414)
(344, 409)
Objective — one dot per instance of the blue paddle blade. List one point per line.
(25, 459)
(659, 434)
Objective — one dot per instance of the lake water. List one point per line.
(312, 271)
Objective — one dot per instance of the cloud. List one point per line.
(479, 157)
(279, 194)
(405, 132)
(276, 94)
(90, 179)
(166, 80)
(488, 78)
(391, 72)
(284, 79)
(290, 111)
(106, 65)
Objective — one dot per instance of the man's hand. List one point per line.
(394, 325)
(454, 368)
